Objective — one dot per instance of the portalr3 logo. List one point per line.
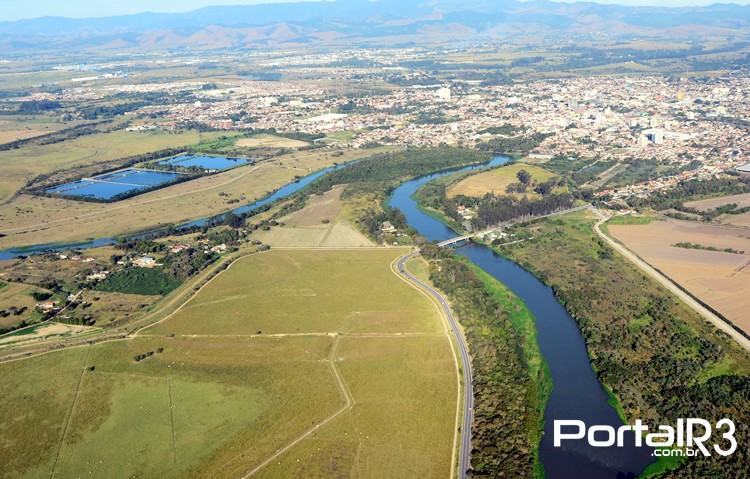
(690, 437)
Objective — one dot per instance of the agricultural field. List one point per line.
(711, 261)
(349, 385)
(28, 218)
(23, 164)
(270, 141)
(497, 180)
(323, 286)
(741, 200)
(321, 222)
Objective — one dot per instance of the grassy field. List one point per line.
(321, 222)
(17, 295)
(302, 291)
(497, 180)
(14, 128)
(28, 218)
(270, 141)
(217, 400)
(19, 166)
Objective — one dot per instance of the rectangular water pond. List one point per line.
(207, 163)
(122, 183)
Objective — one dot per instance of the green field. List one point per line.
(306, 292)
(221, 401)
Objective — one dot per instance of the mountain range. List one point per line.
(374, 23)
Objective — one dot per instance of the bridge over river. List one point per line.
(459, 239)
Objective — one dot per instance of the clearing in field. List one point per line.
(719, 278)
(320, 223)
(270, 141)
(371, 394)
(497, 180)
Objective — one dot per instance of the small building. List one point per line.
(219, 248)
(387, 228)
(46, 306)
(98, 276)
(176, 248)
(144, 262)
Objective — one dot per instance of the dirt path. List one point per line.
(348, 404)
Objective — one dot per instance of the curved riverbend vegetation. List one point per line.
(656, 358)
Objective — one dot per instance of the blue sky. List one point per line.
(18, 9)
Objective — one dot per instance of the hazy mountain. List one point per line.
(373, 22)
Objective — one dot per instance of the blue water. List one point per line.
(279, 194)
(577, 392)
(210, 163)
(109, 185)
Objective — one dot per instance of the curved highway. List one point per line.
(464, 453)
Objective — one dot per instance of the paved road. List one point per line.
(669, 284)
(464, 453)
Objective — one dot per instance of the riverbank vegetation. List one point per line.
(658, 357)
(367, 183)
(511, 383)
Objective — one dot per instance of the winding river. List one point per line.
(281, 193)
(577, 392)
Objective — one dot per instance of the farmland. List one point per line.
(14, 128)
(742, 201)
(57, 219)
(496, 181)
(718, 277)
(216, 388)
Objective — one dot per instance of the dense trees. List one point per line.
(507, 409)
(658, 357)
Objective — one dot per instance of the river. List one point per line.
(577, 392)
(281, 193)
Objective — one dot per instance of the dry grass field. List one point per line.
(14, 128)
(29, 218)
(741, 200)
(270, 141)
(370, 393)
(497, 180)
(19, 166)
(720, 279)
(16, 295)
(320, 223)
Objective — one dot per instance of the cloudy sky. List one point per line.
(18, 9)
